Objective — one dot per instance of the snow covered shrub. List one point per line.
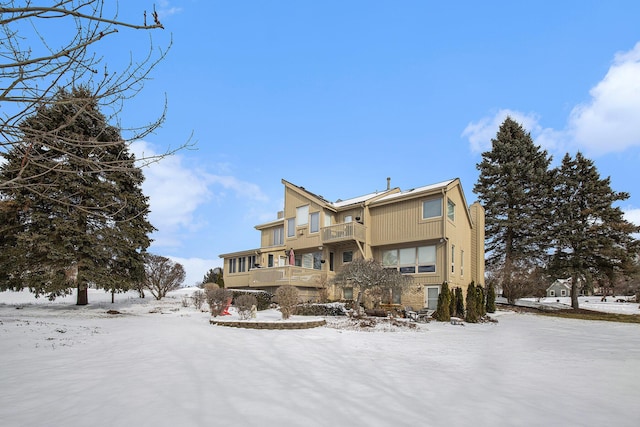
(217, 298)
(244, 304)
(198, 299)
(459, 303)
(328, 309)
(184, 301)
(287, 298)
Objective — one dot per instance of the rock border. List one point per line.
(269, 325)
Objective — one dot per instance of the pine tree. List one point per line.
(514, 187)
(591, 237)
(444, 301)
(480, 301)
(79, 222)
(491, 299)
(471, 315)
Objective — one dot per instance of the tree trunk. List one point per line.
(574, 292)
(83, 298)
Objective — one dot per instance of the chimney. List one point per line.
(388, 183)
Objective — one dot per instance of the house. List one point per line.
(560, 288)
(428, 232)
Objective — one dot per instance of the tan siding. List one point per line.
(402, 222)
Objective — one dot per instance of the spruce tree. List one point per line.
(591, 236)
(480, 301)
(82, 219)
(514, 185)
(444, 301)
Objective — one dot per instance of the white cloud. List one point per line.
(481, 132)
(610, 121)
(165, 9)
(196, 268)
(633, 216)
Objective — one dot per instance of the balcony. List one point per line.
(343, 232)
(286, 275)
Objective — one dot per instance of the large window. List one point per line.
(347, 256)
(453, 259)
(302, 215)
(314, 226)
(432, 208)
(411, 260)
(291, 227)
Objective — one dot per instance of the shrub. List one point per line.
(184, 301)
(244, 304)
(287, 298)
(334, 309)
(198, 299)
(263, 298)
(459, 303)
(481, 303)
(491, 299)
(217, 298)
(444, 300)
(472, 300)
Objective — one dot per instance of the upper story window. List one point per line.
(348, 218)
(291, 227)
(451, 210)
(302, 215)
(278, 236)
(432, 208)
(347, 256)
(314, 225)
(453, 259)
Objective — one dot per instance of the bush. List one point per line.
(217, 298)
(287, 298)
(491, 299)
(198, 299)
(263, 298)
(321, 310)
(459, 303)
(444, 300)
(244, 304)
(472, 315)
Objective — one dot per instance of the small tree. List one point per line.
(198, 298)
(481, 303)
(217, 298)
(287, 298)
(459, 303)
(244, 304)
(444, 301)
(472, 301)
(491, 299)
(162, 275)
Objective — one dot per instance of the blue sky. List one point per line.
(337, 96)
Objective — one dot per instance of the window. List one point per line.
(348, 218)
(461, 263)
(314, 226)
(563, 293)
(291, 227)
(302, 215)
(330, 261)
(431, 296)
(347, 256)
(453, 259)
(278, 236)
(396, 296)
(451, 210)
(411, 260)
(552, 293)
(242, 264)
(270, 260)
(431, 208)
(347, 293)
(310, 260)
(232, 265)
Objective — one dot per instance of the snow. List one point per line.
(161, 364)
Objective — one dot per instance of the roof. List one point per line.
(418, 190)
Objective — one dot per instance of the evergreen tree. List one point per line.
(471, 315)
(80, 220)
(491, 299)
(514, 187)
(480, 301)
(444, 301)
(591, 237)
(452, 302)
(212, 276)
(459, 303)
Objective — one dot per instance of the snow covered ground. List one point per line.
(160, 364)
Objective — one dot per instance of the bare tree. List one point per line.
(369, 276)
(55, 46)
(162, 275)
(287, 298)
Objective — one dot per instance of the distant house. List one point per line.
(560, 288)
(428, 232)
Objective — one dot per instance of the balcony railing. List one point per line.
(286, 275)
(344, 231)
